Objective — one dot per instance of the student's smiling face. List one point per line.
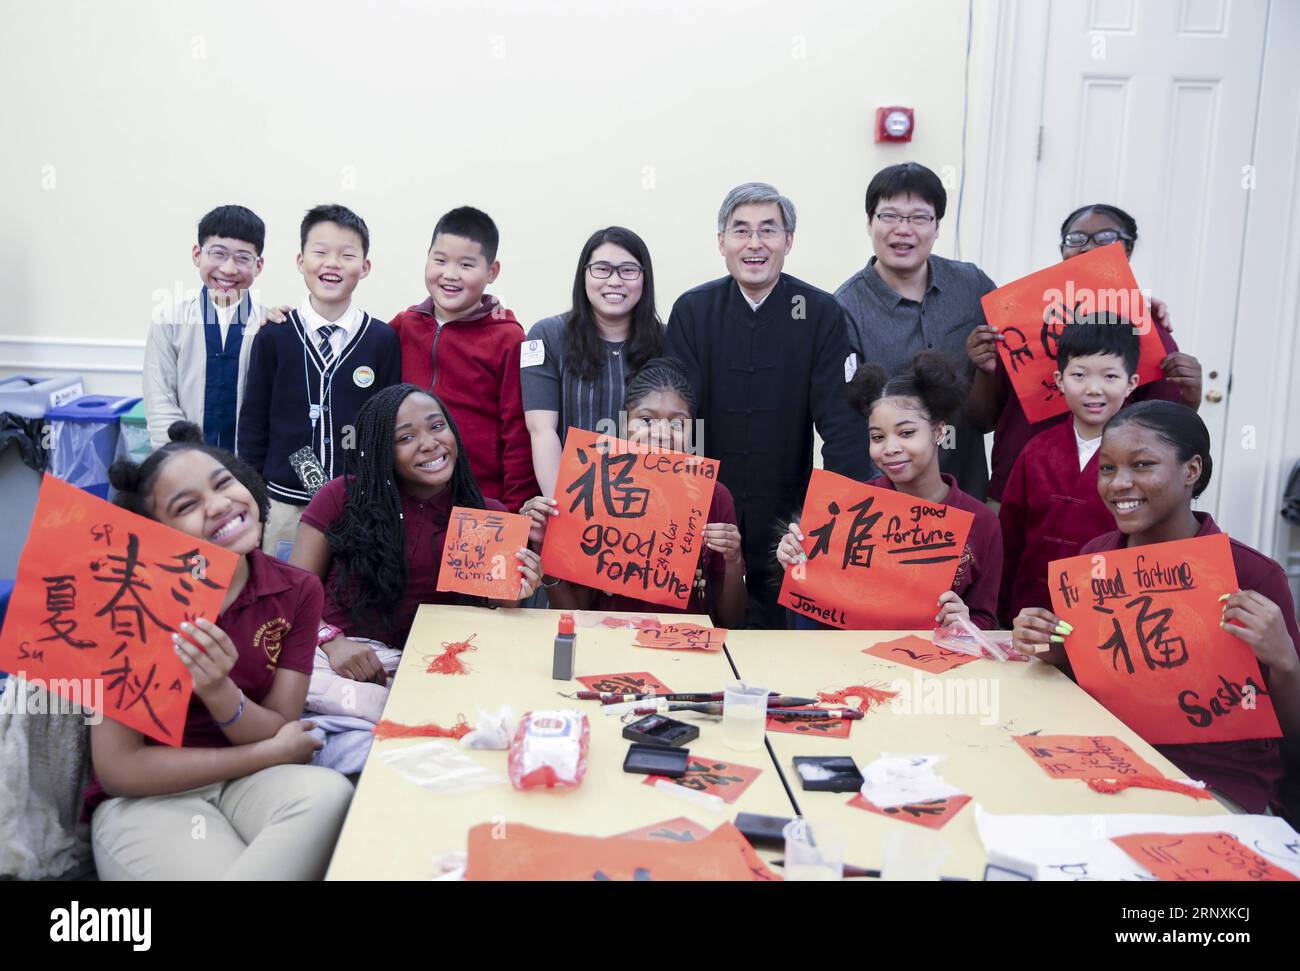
(661, 419)
(333, 262)
(196, 494)
(1140, 478)
(456, 274)
(1095, 387)
(227, 266)
(902, 439)
(424, 448)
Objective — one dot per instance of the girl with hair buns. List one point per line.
(238, 767)
(1154, 461)
(376, 537)
(906, 417)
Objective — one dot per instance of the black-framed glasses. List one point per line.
(1102, 237)
(626, 271)
(916, 218)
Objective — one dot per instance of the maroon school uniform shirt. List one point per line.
(425, 524)
(1248, 771)
(721, 510)
(273, 623)
(1013, 431)
(979, 571)
(1050, 508)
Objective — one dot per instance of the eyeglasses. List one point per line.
(603, 271)
(219, 255)
(766, 233)
(916, 219)
(1102, 237)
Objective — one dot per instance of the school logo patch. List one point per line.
(363, 377)
(270, 638)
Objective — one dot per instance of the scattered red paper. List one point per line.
(811, 727)
(917, 652)
(479, 555)
(676, 830)
(528, 853)
(609, 620)
(1147, 642)
(631, 518)
(877, 559)
(633, 683)
(449, 662)
(1084, 756)
(1199, 856)
(1031, 312)
(726, 780)
(931, 813)
(682, 637)
(98, 595)
(386, 729)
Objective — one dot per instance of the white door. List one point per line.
(1150, 105)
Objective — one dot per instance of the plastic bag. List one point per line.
(549, 749)
(963, 636)
(438, 766)
(491, 731)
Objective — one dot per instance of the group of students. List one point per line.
(366, 433)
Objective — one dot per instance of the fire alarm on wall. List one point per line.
(894, 124)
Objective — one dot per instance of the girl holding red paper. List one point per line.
(233, 800)
(1154, 461)
(907, 419)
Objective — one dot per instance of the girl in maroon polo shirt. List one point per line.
(376, 535)
(660, 407)
(1154, 460)
(906, 417)
(232, 801)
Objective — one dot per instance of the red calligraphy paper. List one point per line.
(877, 559)
(98, 595)
(478, 557)
(917, 652)
(1085, 756)
(683, 637)
(1199, 856)
(1147, 644)
(931, 813)
(1032, 312)
(726, 780)
(676, 830)
(631, 683)
(631, 518)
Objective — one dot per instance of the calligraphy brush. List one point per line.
(605, 698)
(716, 707)
(859, 871)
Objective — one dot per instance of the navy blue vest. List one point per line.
(221, 384)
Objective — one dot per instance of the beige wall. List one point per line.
(126, 120)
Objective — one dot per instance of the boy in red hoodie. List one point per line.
(464, 346)
(1051, 506)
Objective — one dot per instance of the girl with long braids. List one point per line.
(376, 535)
(906, 416)
(660, 408)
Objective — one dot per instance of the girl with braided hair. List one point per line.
(376, 536)
(907, 416)
(659, 405)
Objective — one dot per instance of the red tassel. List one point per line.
(447, 662)
(387, 729)
(868, 697)
(1112, 786)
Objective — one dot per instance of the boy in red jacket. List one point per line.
(464, 346)
(1051, 507)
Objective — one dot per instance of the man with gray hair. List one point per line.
(766, 354)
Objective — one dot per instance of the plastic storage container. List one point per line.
(84, 440)
(135, 443)
(24, 401)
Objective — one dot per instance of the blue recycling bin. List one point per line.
(84, 439)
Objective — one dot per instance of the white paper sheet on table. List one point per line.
(897, 780)
(1080, 847)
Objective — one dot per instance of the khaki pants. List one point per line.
(281, 524)
(277, 824)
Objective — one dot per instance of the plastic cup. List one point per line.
(813, 851)
(912, 854)
(744, 716)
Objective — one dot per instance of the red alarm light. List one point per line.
(894, 124)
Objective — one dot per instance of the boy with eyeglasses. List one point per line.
(196, 354)
(463, 345)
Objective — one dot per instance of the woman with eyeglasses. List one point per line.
(993, 404)
(574, 366)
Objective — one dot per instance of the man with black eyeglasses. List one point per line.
(767, 355)
(907, 300)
